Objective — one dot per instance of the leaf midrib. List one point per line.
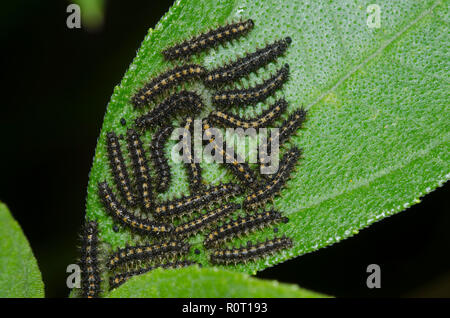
(340, 81)
(380, 174)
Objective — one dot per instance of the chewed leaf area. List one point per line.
(160, 226)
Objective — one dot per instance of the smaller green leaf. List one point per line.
(92, 13)
(19, 272)
(196, 282)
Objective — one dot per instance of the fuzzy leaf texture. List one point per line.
(377, 135)
(194, 282)
(19, 273)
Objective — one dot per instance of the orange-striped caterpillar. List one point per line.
(254, 94)
(148, 252)
(208, 40)
(250, 251)
(266, 118)
(267, 191)
(188, 204)
(141, 171)
(165, 81)
(243, 225)
(119, 169)
(118, 212)
(177, 102)
(192, 227)
(193, 168)
(237, 165)
(247, 64)
(159, 160)
(89, 261)
(121, 278)
(287, 129)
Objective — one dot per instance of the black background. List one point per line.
(56, 85)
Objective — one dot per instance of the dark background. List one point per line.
(56, 85)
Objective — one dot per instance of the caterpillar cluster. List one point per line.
(164, 228)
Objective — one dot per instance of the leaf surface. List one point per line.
(19, 273)
(377, 135)
(195, 282)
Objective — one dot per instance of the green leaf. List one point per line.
(195, 282)
(377, 135)
(92, 13)
(19, 272)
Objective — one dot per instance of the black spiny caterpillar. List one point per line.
(233, 161)
(247, 64)
(251, 251)
(121, 278)
(119, 169)
(193, 168)
(205, 220)
(188, 204)
(90, 274)
(155, 251)
(128, 219)
(252, 95)
(178, 102)
(208, 40)
(164, 228)
(264, 120)
(287, 129)
(141, 171)
(275, 183)
(242, 226)
(160, 162)
(291, 124)
(166, 81)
